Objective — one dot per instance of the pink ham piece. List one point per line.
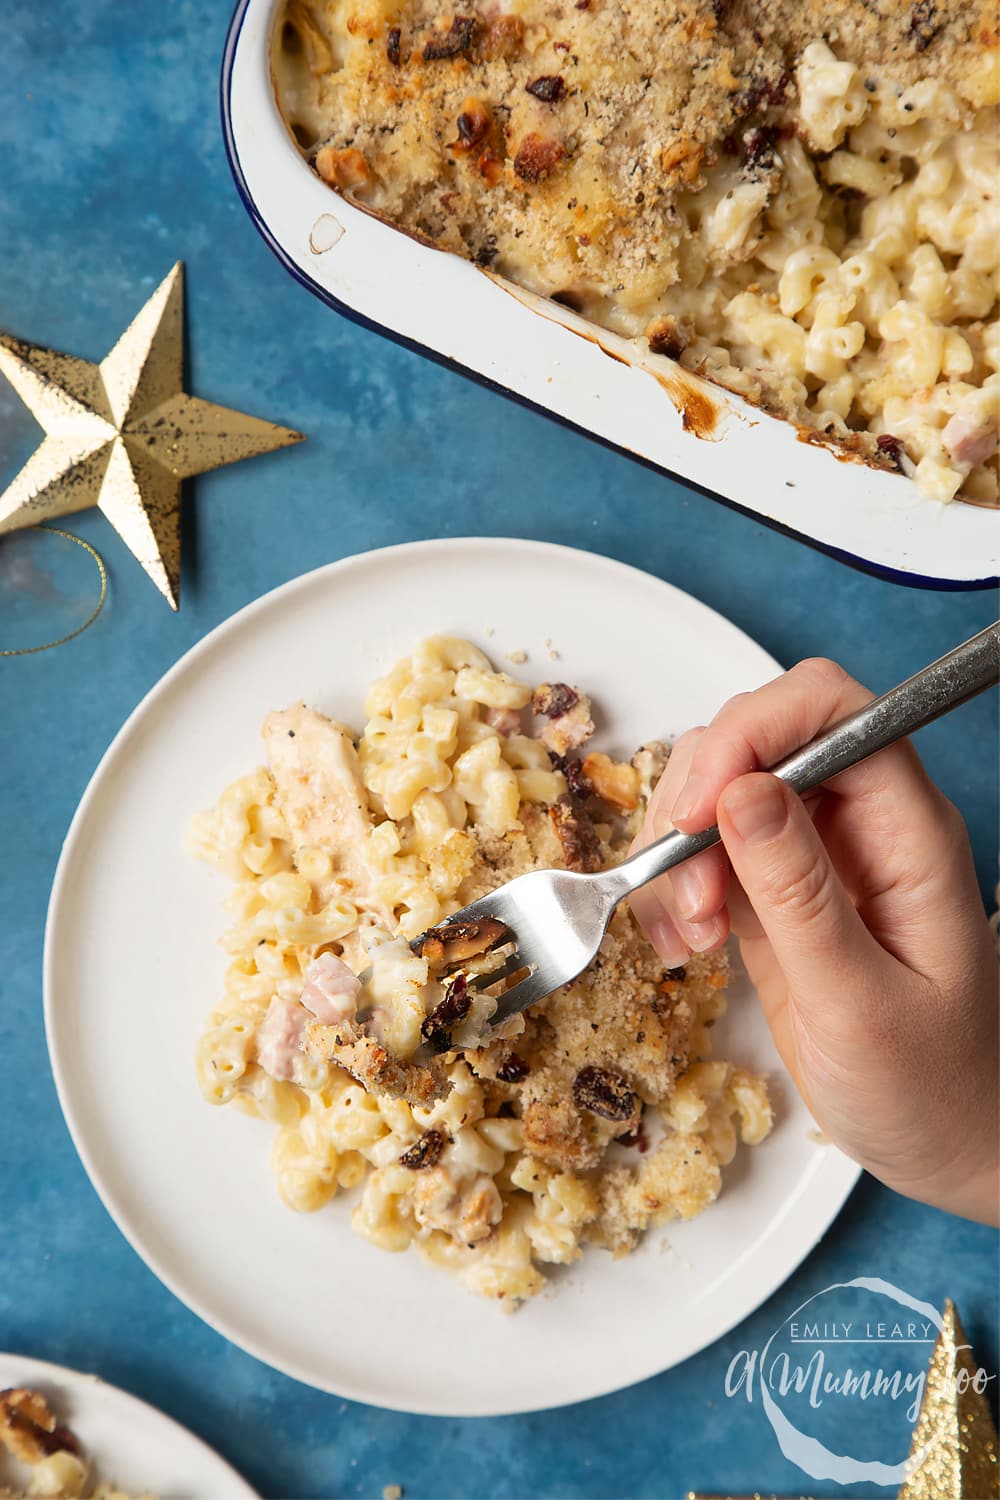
(967, 440)
(330, 994)
(280, 1037)
(331, 990)
(504, 720)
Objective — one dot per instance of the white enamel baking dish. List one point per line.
(544, 355)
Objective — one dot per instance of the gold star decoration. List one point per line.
(122, 435)
(955, 1425)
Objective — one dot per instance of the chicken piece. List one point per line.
(467, 1212)
(318, 781)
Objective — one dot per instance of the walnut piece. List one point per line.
(346, 169)
(612, 781)
(28, 1427)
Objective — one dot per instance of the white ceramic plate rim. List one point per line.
(821, 1191)
(63, 1381)
(546, 356)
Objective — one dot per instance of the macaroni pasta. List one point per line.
(799, 203)
(512, 1158)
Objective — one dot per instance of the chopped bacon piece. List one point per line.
(568, 713)
(575, 833)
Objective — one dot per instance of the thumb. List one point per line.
(816, 934)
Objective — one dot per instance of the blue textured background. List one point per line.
(111, 167)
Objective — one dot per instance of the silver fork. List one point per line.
(558, 917)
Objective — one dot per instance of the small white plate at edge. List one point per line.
(132, 965)
(127, 1441)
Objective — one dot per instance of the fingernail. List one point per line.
(688, 891)
(758, 812)
(663, 936)
(700, 936)
(687, 799)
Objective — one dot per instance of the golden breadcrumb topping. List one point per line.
(555, 139)
(796, 200)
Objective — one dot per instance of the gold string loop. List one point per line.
(99, 560)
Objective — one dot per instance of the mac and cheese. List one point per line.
(512, 1149)
(797, 201)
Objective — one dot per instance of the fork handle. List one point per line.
(953, 679)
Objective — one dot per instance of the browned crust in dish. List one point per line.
(564, 147)
(573, 128)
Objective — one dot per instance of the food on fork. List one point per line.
(582, 1121)
(796, 201)
(32, 1434)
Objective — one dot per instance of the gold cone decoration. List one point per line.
(956, 1423)
(122, 435)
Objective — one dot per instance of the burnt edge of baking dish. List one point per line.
(362, 320)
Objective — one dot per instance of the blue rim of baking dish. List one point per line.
(865, 565)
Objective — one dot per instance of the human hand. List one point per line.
(860, 924)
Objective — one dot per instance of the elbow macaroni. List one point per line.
(439, 778)
(869, 183)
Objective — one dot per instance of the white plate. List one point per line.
(558, 363)
(127, 1441)
(132, 965)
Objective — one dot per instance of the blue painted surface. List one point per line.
(113, 168)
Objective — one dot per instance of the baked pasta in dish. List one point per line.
(796, 199)
(598, 1113)
(30, 1432)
